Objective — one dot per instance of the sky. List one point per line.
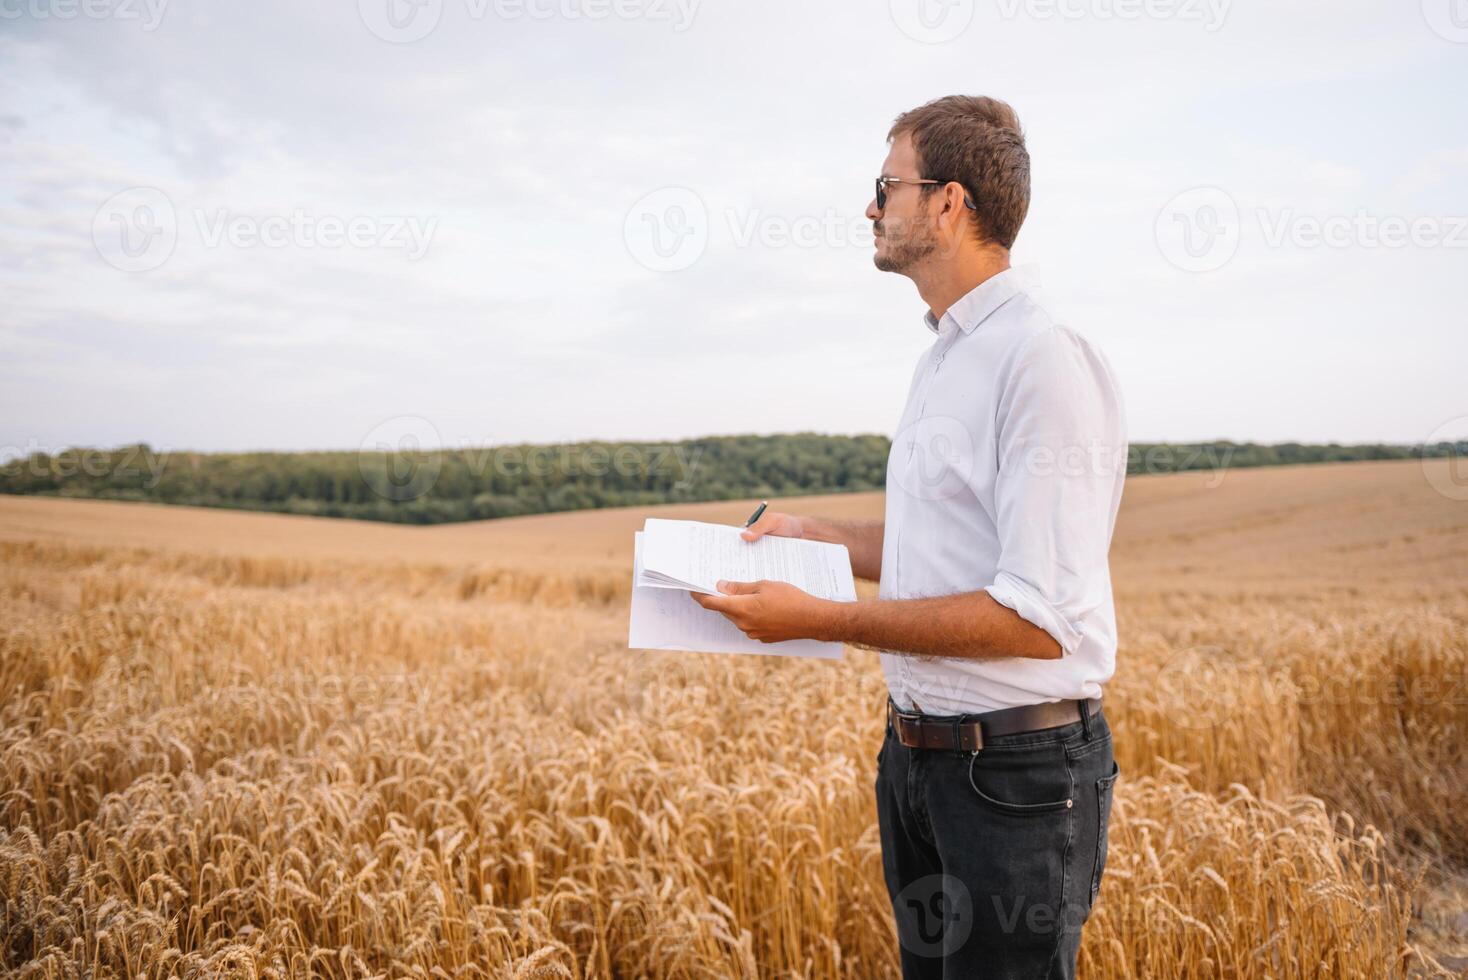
(284, 225)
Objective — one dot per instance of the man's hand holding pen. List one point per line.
(771, 611)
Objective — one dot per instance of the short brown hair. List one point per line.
(978, 142)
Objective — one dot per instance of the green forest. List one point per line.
(440, 486)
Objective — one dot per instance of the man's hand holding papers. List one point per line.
(785, 585)
(770, 612)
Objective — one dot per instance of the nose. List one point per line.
(873, 212)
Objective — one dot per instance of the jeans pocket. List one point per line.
(1104, 787)
(1025, 784)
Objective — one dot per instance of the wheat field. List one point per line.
(251, 745)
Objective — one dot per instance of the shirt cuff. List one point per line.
(1018, 595)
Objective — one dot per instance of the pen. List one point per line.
(757, 512)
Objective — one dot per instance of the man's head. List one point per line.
(974, 150)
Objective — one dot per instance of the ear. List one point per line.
(959, 208)
(953, 211)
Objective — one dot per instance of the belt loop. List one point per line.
(957, 737)
(1085, 704)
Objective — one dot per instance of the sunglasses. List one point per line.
(882, 183)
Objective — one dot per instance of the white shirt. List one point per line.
(1006, 475)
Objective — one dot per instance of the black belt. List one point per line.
(966, 733)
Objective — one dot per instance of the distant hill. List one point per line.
(416, 486)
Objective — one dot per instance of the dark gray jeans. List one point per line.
(993, 858)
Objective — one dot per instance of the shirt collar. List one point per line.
(974, 307)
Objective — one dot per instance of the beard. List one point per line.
(906, 249)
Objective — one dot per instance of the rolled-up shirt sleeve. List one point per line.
(1061, 446)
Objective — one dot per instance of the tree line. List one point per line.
(418, 486)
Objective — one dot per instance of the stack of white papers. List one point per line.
(674, 558)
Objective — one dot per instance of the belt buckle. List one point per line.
(978, 737)
(900, 721)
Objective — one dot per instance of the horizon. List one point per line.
(7, 453)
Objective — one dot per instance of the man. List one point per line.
(994, 614)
